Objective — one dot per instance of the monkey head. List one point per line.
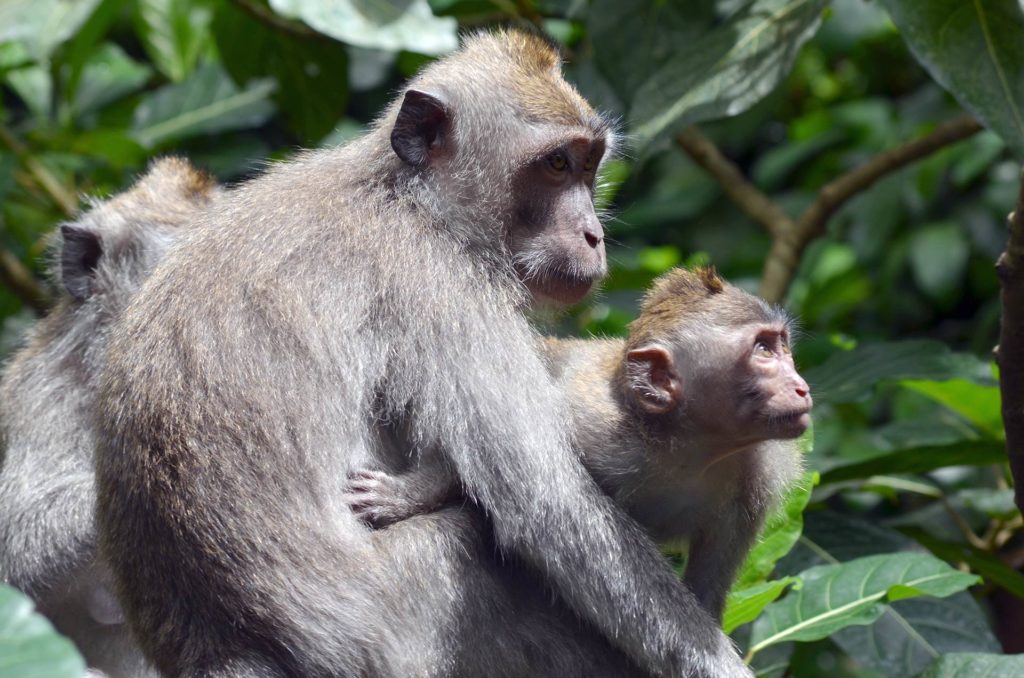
(111, 248)
(517, 167)
(706, 356)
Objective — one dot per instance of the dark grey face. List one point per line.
(557, 239)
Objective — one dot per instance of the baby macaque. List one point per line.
(689, 424)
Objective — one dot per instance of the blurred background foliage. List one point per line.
(911, 525)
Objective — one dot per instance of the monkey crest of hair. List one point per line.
(698, 292)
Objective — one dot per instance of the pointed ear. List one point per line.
(81, 250)
(653, 378)
(421, 130)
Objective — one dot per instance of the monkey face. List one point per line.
(556, 238)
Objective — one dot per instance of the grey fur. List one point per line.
(261, 363)
(47, 483)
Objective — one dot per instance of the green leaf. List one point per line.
(781, 530)
(174, 33)
(744, 605)
(836, 596)
(849, 376)
(989, 566)
(312, 91)
(997, 504)
(207, 102)
(108, 75)
(29, 647)
(726, 70)
(393, 25)
(911, 634)
(938, 259)
(970, 665)
(42, 25)
(974, 50)
(919, 460)
(981, 405)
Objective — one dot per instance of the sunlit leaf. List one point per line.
(977, 403)
(836, 596)
(391, 25)
(727, 69)
(207, 102)
(42, 25)
(29, 647)
(744, 605)
(973, 49)
(174, 33)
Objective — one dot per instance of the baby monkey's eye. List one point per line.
(761, 349)
(558, 162)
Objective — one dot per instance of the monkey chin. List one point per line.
(790, 424)
(560, 290)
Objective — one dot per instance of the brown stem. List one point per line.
(267, 16)
(1010, 352)
(758, 207)
(22, 283)
(64, 199)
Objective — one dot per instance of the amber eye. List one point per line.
(761, 350)
(590, 165)
(558, 162)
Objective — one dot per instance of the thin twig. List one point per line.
(61, 196)
(1010, 352)
(267, 16)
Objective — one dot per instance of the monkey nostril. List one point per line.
(593, 239)
(802, 392)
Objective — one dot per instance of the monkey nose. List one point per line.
(593, 233)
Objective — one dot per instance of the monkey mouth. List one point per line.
(561, 287)
(792, 423)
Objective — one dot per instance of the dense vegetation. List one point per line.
(901, 554)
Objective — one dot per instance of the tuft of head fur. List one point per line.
(701, 295)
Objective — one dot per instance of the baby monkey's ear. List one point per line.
(653, 378)
(80, 254)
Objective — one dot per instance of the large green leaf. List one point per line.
(972, 665)
(911, 634)
(988, 565)
(744, 605)
(727, 69)
(919, 460)
(973, 49)
(781, 530)
(977, 403)
(850, 375)
(207, 102)
(392, 25)
(41, 25)
(311, 74)
(836, 596)
(29, 647)
(174, 33)
(107, 76)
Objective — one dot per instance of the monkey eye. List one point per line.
(590, 165)
(762, 350)
(558, 162)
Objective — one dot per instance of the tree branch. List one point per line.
(790, 237)
(1010, 352)
(267, 16)
(748, 198)
(836, 193)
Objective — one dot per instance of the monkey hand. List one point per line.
(380, 499)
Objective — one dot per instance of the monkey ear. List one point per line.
(653, 378)
(421, 129)
(81, 250)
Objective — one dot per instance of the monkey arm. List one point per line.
(380, 499)
(716, 554)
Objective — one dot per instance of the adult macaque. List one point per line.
(352, 290)
(47, 482)
(688, 424)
